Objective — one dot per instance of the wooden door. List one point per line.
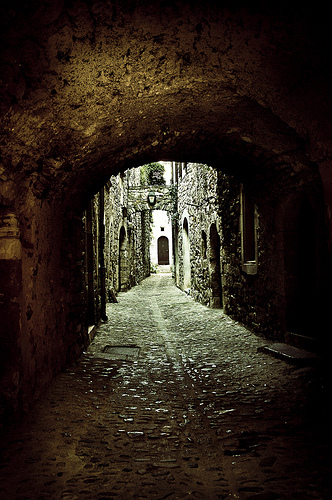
(163, 251)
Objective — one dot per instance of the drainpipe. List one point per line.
(102, 268)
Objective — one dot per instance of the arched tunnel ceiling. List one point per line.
(93, 87)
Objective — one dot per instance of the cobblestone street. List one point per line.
(173, 400)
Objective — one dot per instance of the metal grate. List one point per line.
(124, 352)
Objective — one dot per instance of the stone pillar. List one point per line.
(10, 310)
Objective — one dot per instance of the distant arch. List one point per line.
(186, 254)
(204, 245)
(215, 274)
(123, 261)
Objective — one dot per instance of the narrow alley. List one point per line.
(172, 400)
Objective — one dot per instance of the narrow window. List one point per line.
(204, 245)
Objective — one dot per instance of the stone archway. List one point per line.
(97, 90)
(88, 91)
(123, 261)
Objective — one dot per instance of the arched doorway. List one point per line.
(215, 277)
(123, 261)
(163, 251)
(186, 255)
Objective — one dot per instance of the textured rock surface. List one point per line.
(104, 85)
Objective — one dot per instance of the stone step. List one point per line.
(291, 354)
(301, 341)
(164, 269)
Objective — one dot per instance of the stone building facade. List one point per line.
(274, 258)
(197, 232)
(117, 238)
(261, 260)
(127, 233)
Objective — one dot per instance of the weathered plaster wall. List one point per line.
(42, 327)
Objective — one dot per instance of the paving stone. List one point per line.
(199, 413)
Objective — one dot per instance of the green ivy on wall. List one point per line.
(152, 174)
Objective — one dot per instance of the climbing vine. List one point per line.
(172, 212)
(152, 174)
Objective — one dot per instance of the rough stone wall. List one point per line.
(72, 284)
(113, 222)
(121, 212)
(259, 300)
(197, 199)
(253, 293)
(139, 218)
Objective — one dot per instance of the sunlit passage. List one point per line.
(172, 399)
(218, 236)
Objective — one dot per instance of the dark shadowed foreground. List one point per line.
(172, 400)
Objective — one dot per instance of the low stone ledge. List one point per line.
(291, 354)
